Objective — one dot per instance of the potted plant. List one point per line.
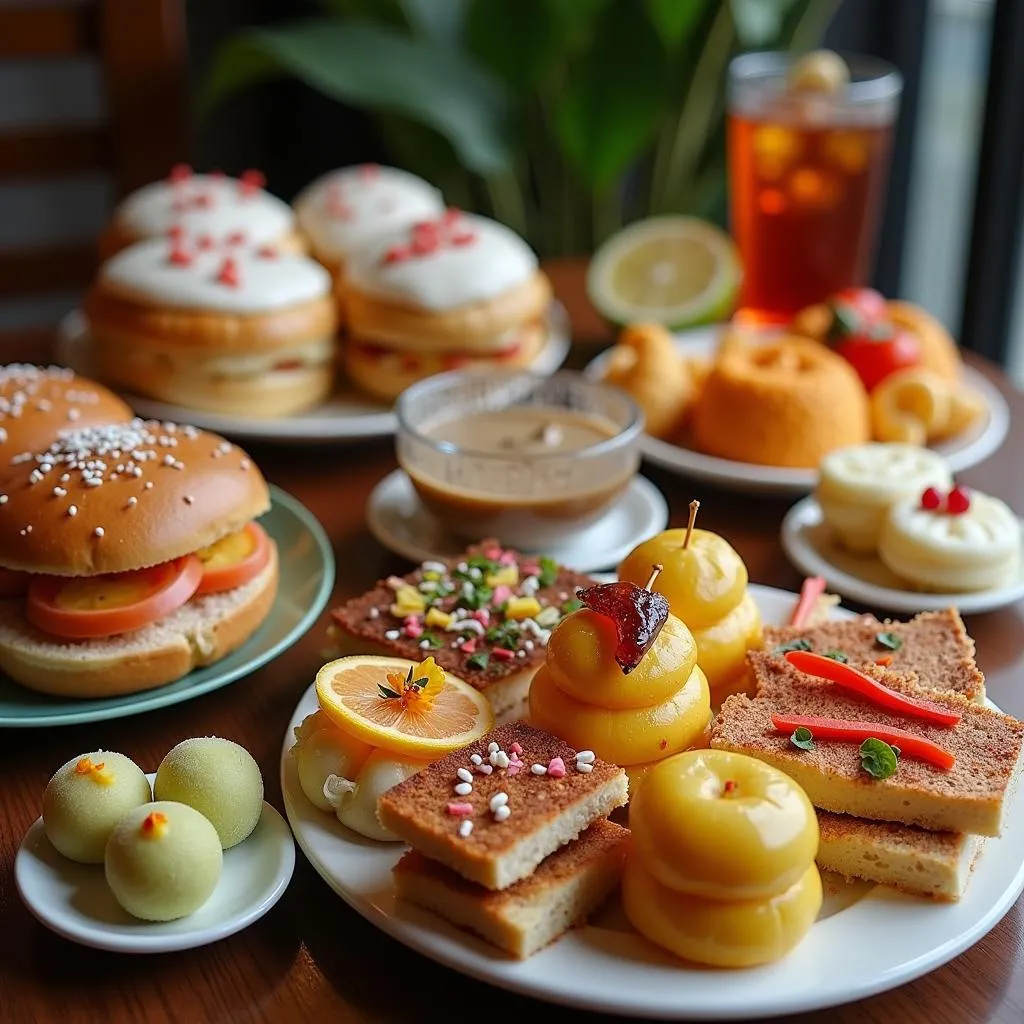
(566, 119)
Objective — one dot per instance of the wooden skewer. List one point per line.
(656, 571)
(694, 506)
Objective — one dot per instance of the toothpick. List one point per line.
(694, 505)
(656, 571)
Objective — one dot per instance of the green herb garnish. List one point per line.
(845, 321)
(432, 640)
(802, 738)
(548, 572)
(799, 644)
(504, 635)
(837, 656)
(888, 640)
(574, 604)
(479, 661)
(877, 758)
(386, 691)
(474, 596)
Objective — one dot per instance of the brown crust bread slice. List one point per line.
(970, 797)
(561, 894)
(365, 625)
(935, 645)
(545, 812)
(913, 860)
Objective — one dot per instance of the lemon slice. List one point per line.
(677, 271)
(426, 721)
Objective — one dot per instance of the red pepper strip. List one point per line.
(813, 588)
(857, 732)
(848, 678)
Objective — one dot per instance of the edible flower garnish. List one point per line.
(418, 688)
(848, 678)
(908, 744)
(638, 613)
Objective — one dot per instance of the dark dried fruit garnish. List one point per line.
(638, 614)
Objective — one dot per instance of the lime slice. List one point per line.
(677, 271)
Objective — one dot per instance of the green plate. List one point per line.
(307, 576)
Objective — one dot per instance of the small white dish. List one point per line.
(809, 545)
(396, 517)
(75, 901)
(867, 939)
(345, 416)
(962, 452)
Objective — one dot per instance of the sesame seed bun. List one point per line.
(124, 496)
(38, 402)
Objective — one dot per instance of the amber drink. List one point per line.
(808, 162)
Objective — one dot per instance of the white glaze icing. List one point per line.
(972, 551)
(155, 208)
(144, 272)
(493, 260)
(348, 208)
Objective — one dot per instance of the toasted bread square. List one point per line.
(913, 860)
(970, 797)
(545, 812)
(935, 645)
(561, 894)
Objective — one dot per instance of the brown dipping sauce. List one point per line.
(505, 466)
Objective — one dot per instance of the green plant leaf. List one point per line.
(759, 22)
(442, 21)
(674, 19)
(614, 98)
(374, 68)
(517, 39)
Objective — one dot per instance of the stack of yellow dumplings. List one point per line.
(705, 582)
(582, 695)
(721, 870)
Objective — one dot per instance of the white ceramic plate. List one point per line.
(867, 939)
(399, 521)
(75, 901)
(970, 448)
(346, 416)
(809, 545)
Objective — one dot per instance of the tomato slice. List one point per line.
(234, 560)
(13, 584)
(87, 607)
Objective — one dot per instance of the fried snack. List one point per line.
(786, 402)
(646, 365)
(919, 406)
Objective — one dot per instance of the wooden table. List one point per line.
(313, 959)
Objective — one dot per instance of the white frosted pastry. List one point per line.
(937, 550)
(219, 779)
(239, 279)
(86, 798)
(163, 861)
(856, 486)
(345, 209)
(476, 259)
(206, 204)
(322, 750)
(355, 801)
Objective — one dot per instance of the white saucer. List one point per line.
(808, 544)
(396, 518)
(965, 450)
(867, 939)
(345, 416)
(75, 901)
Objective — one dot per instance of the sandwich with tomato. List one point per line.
(130, 555)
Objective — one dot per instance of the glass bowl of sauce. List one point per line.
(528, 460)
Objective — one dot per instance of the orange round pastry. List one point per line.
(785, 402)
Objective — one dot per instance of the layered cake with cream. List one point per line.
(451, 292)
(235, 329)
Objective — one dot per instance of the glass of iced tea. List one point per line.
(809, 142)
